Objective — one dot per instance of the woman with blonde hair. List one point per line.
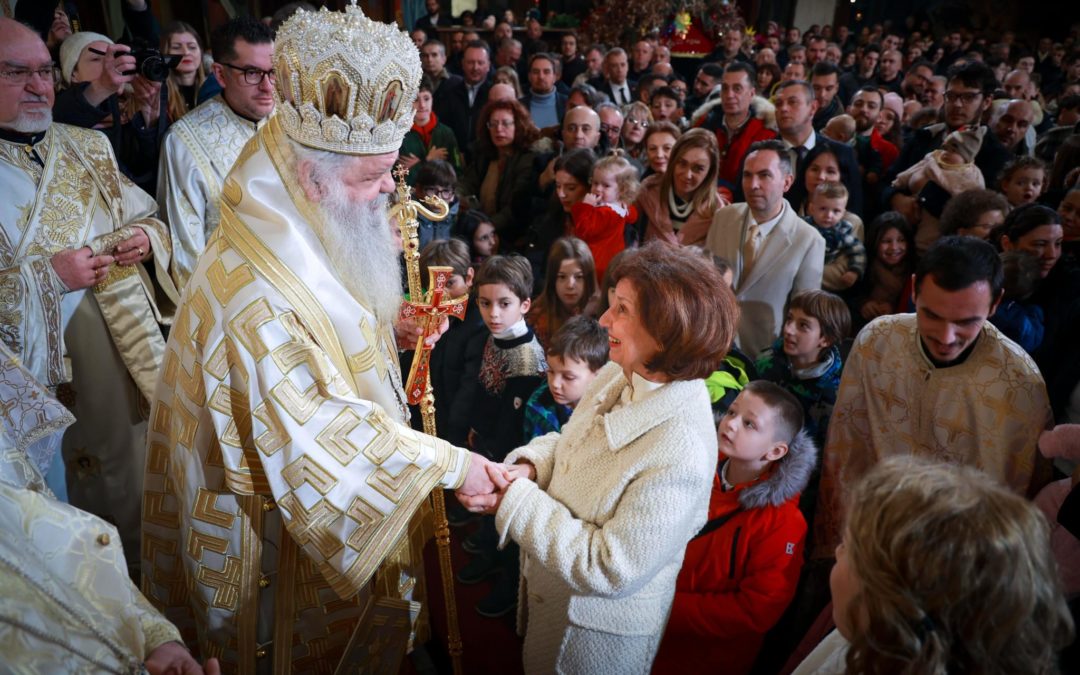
(179, 38)
(678, 205)
(507, 75)
(941, 570)
(636, 120)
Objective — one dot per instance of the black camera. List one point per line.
(153, 65)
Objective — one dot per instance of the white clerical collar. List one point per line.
(515, 331)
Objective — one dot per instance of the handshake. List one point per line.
(486, 483)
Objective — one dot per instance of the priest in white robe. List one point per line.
(285, 491)
(77, 304)
(67, 603)
(942, 383)
(202, 146)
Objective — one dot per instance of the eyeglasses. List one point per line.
(253, 76)
(20, 76)
(637, 123)
(608, 128)
(965, 97)
(446, 193)
(495, 124)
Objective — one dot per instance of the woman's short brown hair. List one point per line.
(525, 132)
(684, 305)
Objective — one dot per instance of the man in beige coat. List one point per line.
(773, 252)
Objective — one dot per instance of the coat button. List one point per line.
(104, 539)
(269, 505)
(260, 653)
(264, 582)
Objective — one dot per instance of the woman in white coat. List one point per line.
(603, 511)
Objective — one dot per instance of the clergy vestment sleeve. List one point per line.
(30, 296)
(346, 476)
(184, 198)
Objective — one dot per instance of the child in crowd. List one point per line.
(1023, 180)
(981, 595)
(805, 359)
(893, 261)
(569, 288)
(840, 129)
(974, 213)
(435, 179)
(741, 570)
(666, 106)
(601, 218)
(1021, 321)
(737, 368)
(512, 367)
(455, 359)
(940, 175)
(479, 233)
(845, 255)
(576, 352)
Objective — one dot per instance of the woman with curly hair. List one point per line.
(940, 571)
(500, 179)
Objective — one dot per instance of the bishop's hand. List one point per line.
(79, 268)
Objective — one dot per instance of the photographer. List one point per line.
(103, 92)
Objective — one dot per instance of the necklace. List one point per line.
(724, 483)
(680, 212)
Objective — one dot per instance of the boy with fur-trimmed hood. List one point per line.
(741, 570)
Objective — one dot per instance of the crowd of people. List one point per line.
(759, 345)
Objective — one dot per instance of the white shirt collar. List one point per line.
(766, 227)
(515, 331)
(811, 141)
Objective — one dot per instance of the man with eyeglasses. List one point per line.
(78, 307)
(967, 97)
(201, 147)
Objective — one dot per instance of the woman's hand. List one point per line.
(501, 476)
(408, 161)
(437, 153)
(147, 97)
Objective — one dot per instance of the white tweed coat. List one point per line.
(604, 528)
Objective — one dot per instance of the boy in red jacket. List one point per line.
(741, 570)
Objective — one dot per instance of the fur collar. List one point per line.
(761, 108)
(789, 477)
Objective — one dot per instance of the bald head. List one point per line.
(26, 106)
(501, 91)
(581, 128)
(1012, 124)
(1017, 84)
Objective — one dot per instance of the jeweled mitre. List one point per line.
(345, 83)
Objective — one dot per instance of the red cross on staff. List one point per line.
(429, 312)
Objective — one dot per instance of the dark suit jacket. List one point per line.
(605, 88)
(849, 172)
(453, 109)
(424, 23)
(560, 103)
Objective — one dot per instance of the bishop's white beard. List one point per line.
(357, 239)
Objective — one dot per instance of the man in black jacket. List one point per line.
(967, 97)
(458, 103)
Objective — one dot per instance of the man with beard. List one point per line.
(282, 472)
(78, 307)
(200, 148)
(874, 154)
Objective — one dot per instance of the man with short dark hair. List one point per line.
(707, 78)
(616, 84)
(942, 383)
(735, 122)
(795, 108)
(967, 97)
(434, 18)
(458, 104)
(200, 148)
(774, 253)
(642, 54)
(815, 50)
(861, 75)
(545, 104)
(889, 76)
(433, 63)
(825, 81)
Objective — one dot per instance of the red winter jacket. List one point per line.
(737, 581)
(603, 229)
(733, 149)
(887, 150)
